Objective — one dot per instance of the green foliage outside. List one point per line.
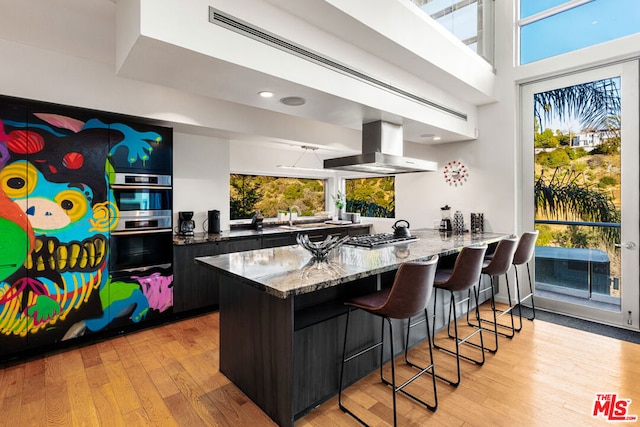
(371, 197)
(607, 181)
(546, 139)
(270, 194)
(561, 156)
(610, 146)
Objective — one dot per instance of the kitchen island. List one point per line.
(282, 315)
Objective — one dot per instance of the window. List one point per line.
(471, 21)
(553, 27)
(372, 197)
(270, 194)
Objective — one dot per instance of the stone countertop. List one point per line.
(266, 231)
(290, 270)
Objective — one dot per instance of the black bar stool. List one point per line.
(463, 277)
(498, 264)
(407, 297)
(524, 254)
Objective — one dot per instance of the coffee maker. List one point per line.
(186, 224)
(445, 221)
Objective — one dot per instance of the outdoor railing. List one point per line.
(582, 269)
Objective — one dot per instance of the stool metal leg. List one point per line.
(430, 367)
(521, 300)
(459, 341)
(422, 371)
(497, 316)
(346, 359)
(392, 383)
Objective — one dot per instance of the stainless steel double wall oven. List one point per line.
(142, 239)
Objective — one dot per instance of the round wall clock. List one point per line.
(455, 173)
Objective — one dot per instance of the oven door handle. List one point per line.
(139, 187)
(139, 270)
(149, 231)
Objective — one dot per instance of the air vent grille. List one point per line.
(241, 27)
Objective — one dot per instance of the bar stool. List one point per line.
(495, 265)
(524, 254)
(407, 297)
(463, 277)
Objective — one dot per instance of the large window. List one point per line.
(270, 194)
(553, 27)
(372, 197)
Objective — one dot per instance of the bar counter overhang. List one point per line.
(282, 315)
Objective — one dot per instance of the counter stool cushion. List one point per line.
(406, 298)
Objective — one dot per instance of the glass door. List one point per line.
(580, 158)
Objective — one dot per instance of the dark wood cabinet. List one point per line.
(194, 286)
(241, 244)
(278, 240)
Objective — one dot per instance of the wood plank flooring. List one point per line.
(168, 376)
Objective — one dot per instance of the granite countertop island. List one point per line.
(282, 315)
(291, 270)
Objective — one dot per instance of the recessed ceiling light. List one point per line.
(427, 135)
(265, 94)
(436, 138)
(293, 101)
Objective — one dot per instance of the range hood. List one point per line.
(382, 147)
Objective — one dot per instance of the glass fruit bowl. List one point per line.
(320, 250)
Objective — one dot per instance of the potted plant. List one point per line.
(340, 202)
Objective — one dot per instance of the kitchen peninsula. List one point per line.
(282, 316)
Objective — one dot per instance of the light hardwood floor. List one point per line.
(168, 376)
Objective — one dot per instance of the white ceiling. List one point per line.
(87, 29)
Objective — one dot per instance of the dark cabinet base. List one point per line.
(194, 286)
(285, 354)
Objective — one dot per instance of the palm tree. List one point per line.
(563, 197)
(593, 103)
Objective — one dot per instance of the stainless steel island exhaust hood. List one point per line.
(382, 147)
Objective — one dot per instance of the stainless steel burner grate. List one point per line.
(377, 240)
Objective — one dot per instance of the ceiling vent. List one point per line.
(241, 27)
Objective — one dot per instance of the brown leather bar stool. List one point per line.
(464, 276)
(498, 264)
(407, 297)
(524, 254)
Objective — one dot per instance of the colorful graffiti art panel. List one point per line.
(56, 215)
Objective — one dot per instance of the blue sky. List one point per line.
(586, 25)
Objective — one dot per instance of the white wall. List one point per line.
(201, 177)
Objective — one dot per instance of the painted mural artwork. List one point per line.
(56, 214)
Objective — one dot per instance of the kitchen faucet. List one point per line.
(290, 214)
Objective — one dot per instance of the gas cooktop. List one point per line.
(377, 240)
